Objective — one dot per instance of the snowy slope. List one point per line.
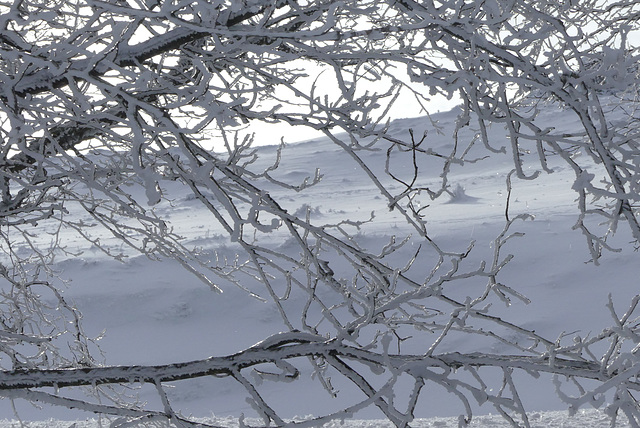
(155, 312)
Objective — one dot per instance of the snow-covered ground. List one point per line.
(552, 419)
(155, 312)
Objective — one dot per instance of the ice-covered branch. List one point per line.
(117, 110)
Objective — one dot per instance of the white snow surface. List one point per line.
(552, 419)
(155, 312)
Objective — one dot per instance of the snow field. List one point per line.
(556, 419)
(155, 312)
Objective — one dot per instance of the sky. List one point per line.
(405, 106)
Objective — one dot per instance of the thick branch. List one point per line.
(283, 347)
(126, 56)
